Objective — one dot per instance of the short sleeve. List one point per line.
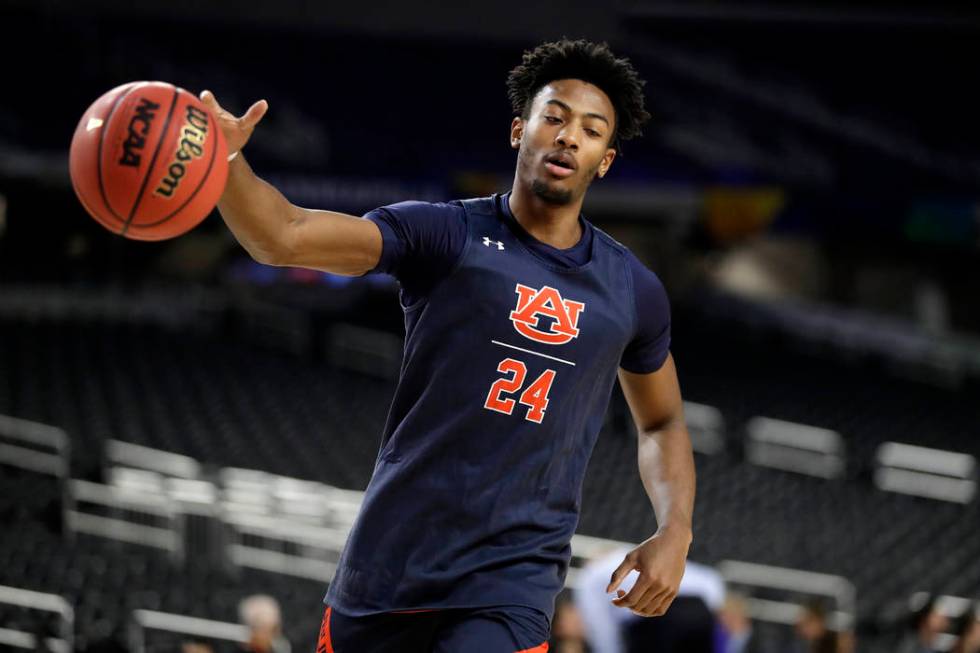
(648, 349)
(422, 242)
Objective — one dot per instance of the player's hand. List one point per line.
(660, 561)
(237, 131)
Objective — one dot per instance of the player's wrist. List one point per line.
(672, 530)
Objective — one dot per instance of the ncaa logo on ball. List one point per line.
(190, 146)
(139, 126)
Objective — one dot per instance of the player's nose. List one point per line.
(567, 140)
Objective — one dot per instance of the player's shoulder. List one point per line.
(423, 208)
(609, 242)
(643, 276)
(457, 210)
(422, 217)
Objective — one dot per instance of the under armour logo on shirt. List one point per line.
(487, 241)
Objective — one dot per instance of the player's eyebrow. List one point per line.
(569, 109)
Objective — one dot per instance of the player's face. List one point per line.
(564, 143)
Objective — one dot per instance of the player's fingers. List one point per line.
(634, 595)
(620, 573)
(643, 601)
(254, 114)
(656, 603)
(211, 102)
(659, 605)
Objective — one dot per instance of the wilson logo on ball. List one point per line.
(139, 126)
(191, 146)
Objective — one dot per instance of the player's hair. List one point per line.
(590, 62)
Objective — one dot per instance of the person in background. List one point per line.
(261, 614)
(846, 641)
(737, 626)
(688, 627)
(812, 632)
(195, 646)
(926, 623)
(968, 632)
(568, 629)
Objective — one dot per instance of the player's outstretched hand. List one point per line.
(660, 561)
(237, 131)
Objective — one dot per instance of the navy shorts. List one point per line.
(506, 629)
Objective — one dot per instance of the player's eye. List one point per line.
(593, 133)
(554, 120)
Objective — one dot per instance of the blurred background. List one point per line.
(184, 433)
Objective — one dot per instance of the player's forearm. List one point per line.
(255, 212)
(666, 464)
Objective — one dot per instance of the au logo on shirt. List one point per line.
(532, 304)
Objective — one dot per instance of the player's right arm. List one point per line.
(272, 229)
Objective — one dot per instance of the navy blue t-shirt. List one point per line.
(511, 352)
(423, 241)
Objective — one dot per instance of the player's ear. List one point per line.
(516, 132)
(607, 160)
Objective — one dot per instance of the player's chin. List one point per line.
(551, 192)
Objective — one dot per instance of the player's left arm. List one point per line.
(666, 466)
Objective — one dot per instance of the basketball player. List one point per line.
(518, 313)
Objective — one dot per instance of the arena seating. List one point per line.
(228, 404)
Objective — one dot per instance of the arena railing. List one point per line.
(176, 624)
(136, 516)
(706, 426)
(925, 472)
(127, 454)
(39, 449)
(34, 446)
(795, 447)
(45, 603)
(256, 492)
(791, 583)
(284, 546)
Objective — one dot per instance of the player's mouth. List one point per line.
(560, 164)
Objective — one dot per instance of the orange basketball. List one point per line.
(148, 161)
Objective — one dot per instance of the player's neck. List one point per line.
(555, 225)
